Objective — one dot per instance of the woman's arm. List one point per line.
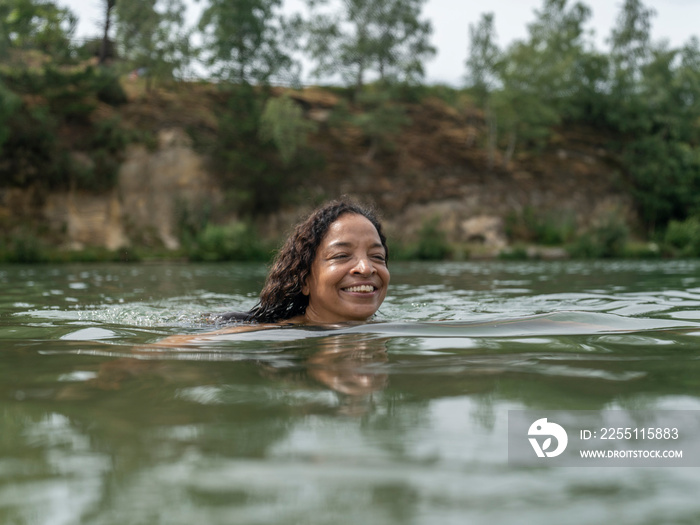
(190, 339)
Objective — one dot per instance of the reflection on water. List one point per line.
(402, 420)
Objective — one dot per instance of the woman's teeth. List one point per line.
(365, 288)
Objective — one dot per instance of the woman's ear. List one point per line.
(305, 286)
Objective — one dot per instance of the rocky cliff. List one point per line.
(436, 170)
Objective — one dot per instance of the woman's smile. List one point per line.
(361, 288)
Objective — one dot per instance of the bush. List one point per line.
(9, 102)
(516, 253)
(552, 228)
(233, 242)
(683, 237)
(24, 248)
(665, 177)
(283, 123)
(36, 148)
(432, 243)
(32, 153)
(606, 240)
(109, 90)
(381, 121)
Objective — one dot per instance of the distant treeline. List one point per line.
(641, 96)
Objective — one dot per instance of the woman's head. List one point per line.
(333, 265)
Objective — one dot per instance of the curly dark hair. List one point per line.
(282, 297)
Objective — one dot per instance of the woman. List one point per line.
(331, 269)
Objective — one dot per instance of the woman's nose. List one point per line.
(364, 266)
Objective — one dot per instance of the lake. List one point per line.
(401, 420)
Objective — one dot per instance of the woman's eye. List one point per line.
(340, 256)
(379, 257)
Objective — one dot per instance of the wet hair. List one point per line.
(282, 297)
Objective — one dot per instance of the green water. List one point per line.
(403, 420)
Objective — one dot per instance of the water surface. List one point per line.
(401, 420)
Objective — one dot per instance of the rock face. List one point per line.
(435, 173)
(155, 189)
(476, 213)
(88, 220)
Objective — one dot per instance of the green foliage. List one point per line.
(27, 247)
(432, 243)
(233, 242)
(516, 253)
(105, 147)
(653, 107)
(631, 47)
(683, 237)
(32, 152)
(665, 177)
(528, 89)
(151, 34)
(9, 103)
(70, 95)
(539, 75)
(247, 41)
(36, 153)
(663, 156)
(384, 37)
(605, 240)
(22, 247)
(484, 56)
(550, 228)
(645, 96)
(380, 120)
(108, 89)
(283, 123)
(37, 25)
(239, 154)
(258, 179)
(402, 92)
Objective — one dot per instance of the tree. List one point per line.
(385, 37)
(402, 40)
(380, 120)
(662, 152)
(5, 41)
(37, 24)
(558, 42)
(247, 41)
(105, 45)
(631, 49)
(482, 74)
(631, 41)
(9, 102)
(150, 35)
(539, 75)
(247, 150)
(688, 83)
(282, 122)
(484, 55)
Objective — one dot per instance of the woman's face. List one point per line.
(349, 276)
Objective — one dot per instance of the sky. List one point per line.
(675, 21)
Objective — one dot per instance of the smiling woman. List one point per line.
(331, 269)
